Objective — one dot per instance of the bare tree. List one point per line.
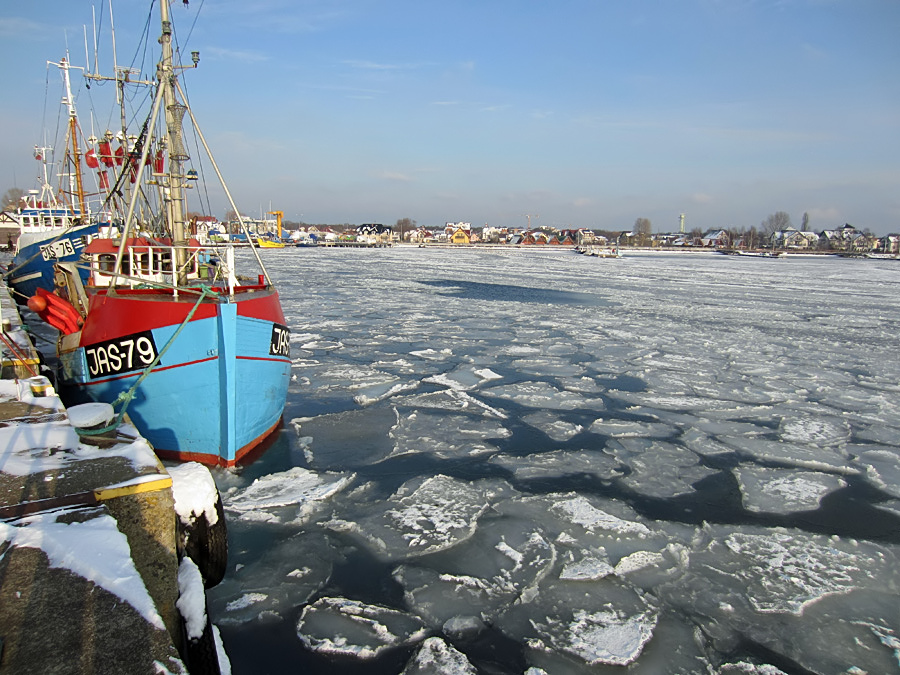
(405, 225)
(776, 222)
(11, 198)
(804, 224)
(643, 228)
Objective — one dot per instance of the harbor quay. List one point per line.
(88, 554)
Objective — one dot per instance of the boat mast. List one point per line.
(69, 102)
(177, 156)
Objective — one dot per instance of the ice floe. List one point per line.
(446, 435)
(556, 428)
(297, 487)
(342, 626)
(765, 489)
(424, 516)
(645, 457)
(436, 657)
(543, 395)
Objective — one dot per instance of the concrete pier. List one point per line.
(88, 560)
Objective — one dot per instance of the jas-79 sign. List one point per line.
(122, 355)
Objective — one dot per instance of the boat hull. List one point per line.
(32, 266)
(219, 388)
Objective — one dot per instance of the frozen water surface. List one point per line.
(531, 461)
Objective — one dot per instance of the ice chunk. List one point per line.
(555, 367)
(463, 378)
(645, 457)
(543, 395)
(625, 428)
(264, 583)
(451, 399)
(351, 628)
(784, 490)
(503, 563)
(819, 431)
(608, 625)
(297, 487)
(745, 668)
(550, 424)
(424, 516)
(793, 454)
(436, 657)
(581, 512)
(381, 391)
(445, 435)
(882, 467)
(559, 463)
(589, 567)
(432, 354)
(638, 561)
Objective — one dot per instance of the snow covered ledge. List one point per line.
(87, 540)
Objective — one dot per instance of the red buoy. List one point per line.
(37, 304)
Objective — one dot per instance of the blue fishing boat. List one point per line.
(162, 329)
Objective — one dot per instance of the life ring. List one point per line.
(57, 311)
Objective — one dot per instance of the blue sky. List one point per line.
(582, 113)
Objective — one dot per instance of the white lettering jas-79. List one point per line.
(123, 355)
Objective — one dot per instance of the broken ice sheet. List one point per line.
(297, 487)
(436, 657)
(556, 428)
(631, 428)
(782, 571)
(445, 436)
(450, 399)
(766, 490)
(589, 567)
(502, 563)
(559, 463)
(424, 516)
(543, 395)
(645, 457)
(268, 583)
(793, 454)
(347, 627)
(819, 431)
(598, 623)
(544, 366)
(463, 378)
(882, 467)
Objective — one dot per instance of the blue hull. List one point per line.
(217, 393)
(32, 267)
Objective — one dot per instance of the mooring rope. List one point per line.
(124, 399)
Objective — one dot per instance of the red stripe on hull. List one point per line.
(260, 358)
(158, 369)
(133, 311)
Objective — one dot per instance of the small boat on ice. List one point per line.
(162, 328)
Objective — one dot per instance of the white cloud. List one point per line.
(395, 176)
(234, 55)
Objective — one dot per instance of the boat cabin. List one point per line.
(144, 261)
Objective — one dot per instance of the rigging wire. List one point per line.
(203, 199)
